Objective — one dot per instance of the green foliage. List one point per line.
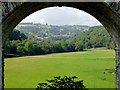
(50, 32)
(95, 37)
(17, 35)
(60, 83)
(29, 47)
(79, 46)
(20, 50)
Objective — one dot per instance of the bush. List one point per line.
(60, 83)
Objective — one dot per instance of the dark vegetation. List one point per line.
(95, 37)
(62, 83)
(25, 44)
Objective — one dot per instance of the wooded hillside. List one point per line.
(22, 44)
(51, 32)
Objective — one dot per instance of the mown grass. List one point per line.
(89, 66)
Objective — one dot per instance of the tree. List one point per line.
(62, 83)
(79, 46)
(29, 47)
(21, 50)
(36, 49)
(17, 35)
(7, 47)
(70, 46)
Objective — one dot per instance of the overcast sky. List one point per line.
(62, 16)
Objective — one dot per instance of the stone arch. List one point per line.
(100, 10)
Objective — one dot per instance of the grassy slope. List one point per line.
(88, 65)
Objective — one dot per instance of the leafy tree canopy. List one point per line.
(60, 83)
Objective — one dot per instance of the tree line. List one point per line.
(27, 47)
(19, 43)
(96, 36)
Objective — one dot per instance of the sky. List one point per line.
(62, 16)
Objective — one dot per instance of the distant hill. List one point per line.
(96, 36)
(51, 31)
(22, 44)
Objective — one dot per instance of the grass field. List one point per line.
(89, 66)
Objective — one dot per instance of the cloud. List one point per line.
(62, 16)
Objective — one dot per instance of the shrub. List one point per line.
(60, 83)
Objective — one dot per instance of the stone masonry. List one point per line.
(108, 13)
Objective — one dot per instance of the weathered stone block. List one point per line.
(119, 11)
(0, 47)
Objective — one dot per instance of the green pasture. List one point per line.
(89, 66)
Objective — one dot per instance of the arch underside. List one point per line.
(100, 11)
